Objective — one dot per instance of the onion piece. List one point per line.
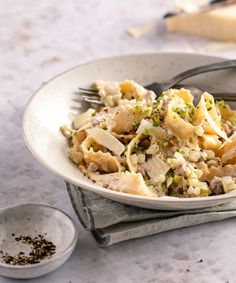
(106, 139)
(130, 147)
(143, 126)
(229, 141)
(211, 122)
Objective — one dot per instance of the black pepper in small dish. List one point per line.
(40, 249)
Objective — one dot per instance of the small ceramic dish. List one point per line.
(32, 220)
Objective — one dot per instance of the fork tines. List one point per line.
(88, 91)
(89, 95)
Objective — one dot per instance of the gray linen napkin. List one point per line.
(111, 222)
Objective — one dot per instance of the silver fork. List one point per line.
(90, 95)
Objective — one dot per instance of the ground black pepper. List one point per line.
(40, 249)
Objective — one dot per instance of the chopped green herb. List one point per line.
(169, 173)
(176, 179)
(180, 112)
(165, 189)
(135, 125)
(140, 109)
(156, 123)
(147, 131)
(191, 112)
(233, 121)
(94, 113)
(136, 145)
(181, 151)
(156, 106)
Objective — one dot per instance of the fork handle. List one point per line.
(202, 69)
(226, 96)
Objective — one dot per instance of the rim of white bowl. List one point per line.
(96, 187)
(56, 255)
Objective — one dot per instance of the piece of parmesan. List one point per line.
(216, 23)
(125, 182)
(83, 118)
(155, 167)
(106, 139)
(144, 126)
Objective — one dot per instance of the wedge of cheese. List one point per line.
(219, 23)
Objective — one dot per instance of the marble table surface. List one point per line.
(39, 39)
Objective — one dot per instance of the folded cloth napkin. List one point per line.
(111, 222)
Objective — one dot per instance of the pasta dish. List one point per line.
(139, 144)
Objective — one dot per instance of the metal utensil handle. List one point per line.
(226, 96)
(203, 69)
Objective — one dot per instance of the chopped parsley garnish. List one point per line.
(233, 121)
(169, 173)
(165, 189)
(136, 145)
(135, 125)
(156, 123)
(181, 151)
(140, 109)
(155, 107)
(147, 131)
(176, 179)
(192, 111)
(186, 113)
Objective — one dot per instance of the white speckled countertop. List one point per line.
(39, 39)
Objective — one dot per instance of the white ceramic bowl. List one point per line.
(31, 220)
(51, 105)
